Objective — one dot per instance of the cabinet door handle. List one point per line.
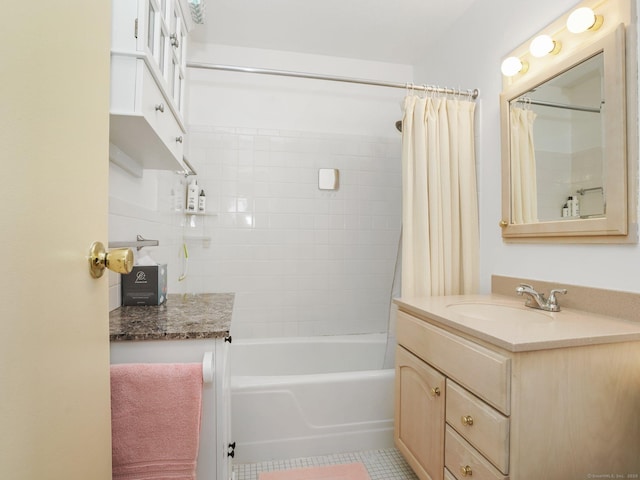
(179, 139)
(467, 420)
(160, 107)
(174, 40)
(435, 392)
(466, 471)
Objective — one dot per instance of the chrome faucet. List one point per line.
(537, 300)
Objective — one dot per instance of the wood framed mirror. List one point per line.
(564, 146)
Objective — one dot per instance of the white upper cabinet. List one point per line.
(148, 55)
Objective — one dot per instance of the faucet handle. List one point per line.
(522, 287)
(552, 296)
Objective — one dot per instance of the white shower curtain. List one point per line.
(524, 195)
(440, 239)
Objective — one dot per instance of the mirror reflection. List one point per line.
(557, 147)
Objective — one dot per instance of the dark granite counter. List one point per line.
(205, 315)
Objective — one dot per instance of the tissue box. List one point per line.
(145, 285)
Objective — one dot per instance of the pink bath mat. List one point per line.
(350, 471)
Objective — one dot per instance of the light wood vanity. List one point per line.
(481, 398)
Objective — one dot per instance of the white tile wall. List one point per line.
(301, 261)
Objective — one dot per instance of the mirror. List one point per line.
(557, 142)
(564, 165)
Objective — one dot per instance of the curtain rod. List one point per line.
(579, 108)
(284, 73)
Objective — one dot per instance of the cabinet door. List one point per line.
(176, 55)
(420, 415)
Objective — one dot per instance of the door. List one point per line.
(420, 415)
(54, 345)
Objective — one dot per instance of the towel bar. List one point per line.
(207, 367)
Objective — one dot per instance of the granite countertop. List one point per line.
(190, 316)
(566, 328)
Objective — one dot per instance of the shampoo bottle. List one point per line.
(201, 202)
(192, 196)
(570, 205)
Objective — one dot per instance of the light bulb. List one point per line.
(513, 65)
(543, 45)
(584, 19)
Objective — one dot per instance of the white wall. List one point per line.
(301, 261)
(479, 41)
(281, 103)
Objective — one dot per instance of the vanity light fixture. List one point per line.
(543, 45)
(512, 66)
(583, 19)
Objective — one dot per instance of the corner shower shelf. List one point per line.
(138, 243)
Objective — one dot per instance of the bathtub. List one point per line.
(306, 396)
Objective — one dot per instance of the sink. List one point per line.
(499, 312)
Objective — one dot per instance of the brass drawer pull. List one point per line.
(435, 392)
(467, 420)
(466, 471)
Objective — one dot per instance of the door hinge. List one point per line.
(231, 450)
(135, 29)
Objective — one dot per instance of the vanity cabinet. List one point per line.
(215, 429)
(467, 408)
(148, 55)
(186, 329)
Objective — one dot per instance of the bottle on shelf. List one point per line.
(201, 202)
(574, 206)
(192, 196)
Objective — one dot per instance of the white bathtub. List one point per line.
(299, 397)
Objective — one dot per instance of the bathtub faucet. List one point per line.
(537, 300)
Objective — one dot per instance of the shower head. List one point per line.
(399, 125)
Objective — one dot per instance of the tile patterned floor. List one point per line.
(385, 464)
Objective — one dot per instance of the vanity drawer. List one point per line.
(482, 426)
(464, 461)
(482, 371)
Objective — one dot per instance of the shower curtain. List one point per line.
(524, 195)
(440, 239)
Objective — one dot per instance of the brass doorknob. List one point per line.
(503, 224)
(435, 392)
(466, 471)
(119, 260)
(467, 420)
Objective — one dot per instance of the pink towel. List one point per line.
(155, 420)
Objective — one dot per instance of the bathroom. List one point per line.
(300, 117)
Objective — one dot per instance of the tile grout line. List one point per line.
(384, 464)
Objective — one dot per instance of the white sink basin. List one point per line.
(500, 312)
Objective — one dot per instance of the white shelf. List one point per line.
(201, 214)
